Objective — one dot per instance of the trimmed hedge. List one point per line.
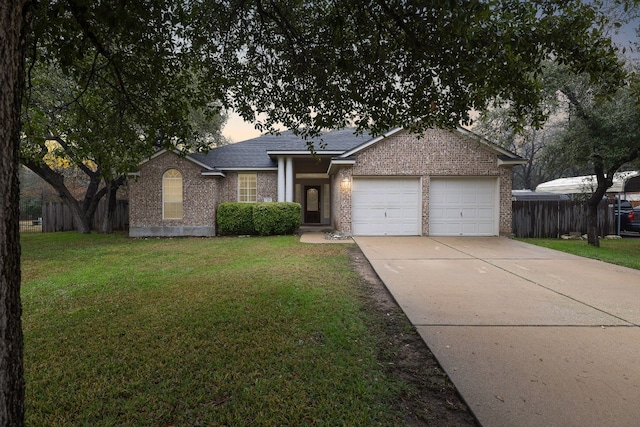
(235, 218)
(276, 218)
(265, 219)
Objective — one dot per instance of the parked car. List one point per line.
(626, 213)
(634, 224)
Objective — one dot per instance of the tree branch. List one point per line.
(79, 14)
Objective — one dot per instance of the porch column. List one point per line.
(281, 180)
(289, 180)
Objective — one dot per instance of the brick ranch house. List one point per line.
(444, 183)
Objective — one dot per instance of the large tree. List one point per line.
(15, 18)
(87, 126)
(530, 142)
(307, 64)
(600, 133)
(110, 95)
(382, 63)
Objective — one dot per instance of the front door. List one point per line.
(312, 204)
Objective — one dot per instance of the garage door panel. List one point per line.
(376, 228)
(463, 206)
(468, 229)
(451, 229)
(452, 213)
(394, 213)
(409, 198)
(436, 213)
(388, 206)
(393, 199)
(453, 199)
(368, 199)
(437, 198)
(486, 214)
(469, 214)
(469, 199)
(485, 228)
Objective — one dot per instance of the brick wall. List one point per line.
(267, 183)
(201, 196)
(341, 200)
(199, 199)
(267, 186)
(436, 153)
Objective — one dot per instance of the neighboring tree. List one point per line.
(309, 65)
(600, 133)
(529, 142)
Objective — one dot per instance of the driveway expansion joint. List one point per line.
(487, 261)
(579, 369)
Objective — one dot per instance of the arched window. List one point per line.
(172, 194)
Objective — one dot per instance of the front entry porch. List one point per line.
(304, 180)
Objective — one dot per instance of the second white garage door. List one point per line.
(463, 207)
(386, 206)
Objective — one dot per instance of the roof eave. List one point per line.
(205, 166)
(177, 153)
(511, 161)
(213, 173)
(338, 163)
(370, 142)
(247, 169)
(490, 145)
(304, 153)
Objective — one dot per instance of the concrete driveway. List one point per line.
(530, 336)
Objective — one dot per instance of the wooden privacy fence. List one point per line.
(553, 218)
(56, 216)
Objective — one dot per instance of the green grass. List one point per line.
(625, 252)
(225, 331)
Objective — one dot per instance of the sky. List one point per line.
(237, 130)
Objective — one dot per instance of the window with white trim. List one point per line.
(247, 187)
(172, 194)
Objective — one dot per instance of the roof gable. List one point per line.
(177, 153)
(504, 156)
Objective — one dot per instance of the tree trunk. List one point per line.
(112, 191)
(107, 223)
(15, 20)
(81, 219)
(603, 182)
(592, 223)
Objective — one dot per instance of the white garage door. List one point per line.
(463, 207)
(386, 206)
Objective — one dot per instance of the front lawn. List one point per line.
(210, 332)
(625, 252)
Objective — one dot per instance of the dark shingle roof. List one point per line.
(252, 154)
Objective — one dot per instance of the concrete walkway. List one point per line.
(320, 237)
(530, 336)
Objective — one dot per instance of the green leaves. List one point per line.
(129, 82)
(312, 65)
(381, 64)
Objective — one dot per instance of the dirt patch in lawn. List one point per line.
(429, 398)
